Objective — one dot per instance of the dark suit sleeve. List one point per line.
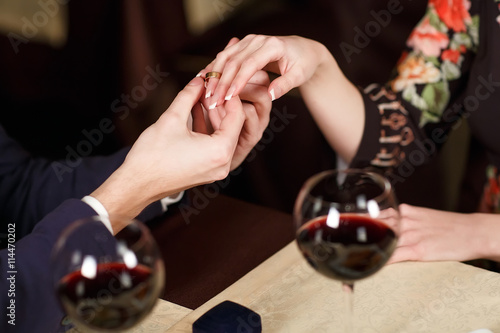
(32, 187)
(30, 287)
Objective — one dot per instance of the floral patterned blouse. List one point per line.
(449, 72)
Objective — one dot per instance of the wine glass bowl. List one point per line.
(347, 225)
(107, 283)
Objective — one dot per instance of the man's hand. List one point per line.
(169, 157)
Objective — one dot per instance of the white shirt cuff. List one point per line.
(165, 202)
(100, 210)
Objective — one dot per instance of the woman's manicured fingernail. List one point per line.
(230, 93)
(211, 107)
(207, 95)
(273, 96)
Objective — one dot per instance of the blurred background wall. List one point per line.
(67, 66)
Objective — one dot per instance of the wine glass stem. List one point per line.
(348, 288)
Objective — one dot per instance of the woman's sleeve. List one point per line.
(407, 119)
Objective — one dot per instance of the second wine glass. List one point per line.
(105, 282)
(347, 224)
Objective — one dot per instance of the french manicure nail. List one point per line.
(211, 107)
(207, 95)
(230, 93)
(273, 97)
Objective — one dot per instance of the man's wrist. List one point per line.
(98, 207)
(122, 194)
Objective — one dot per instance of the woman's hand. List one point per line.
(335, 103)
(294, 58)
(169, 157)
(433, 235)
(256, 106)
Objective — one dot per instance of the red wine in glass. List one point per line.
(346, 226)
(115, 298)
(354, 249)
(106, 282)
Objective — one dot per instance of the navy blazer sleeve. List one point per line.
(30, 187)
(27, 297)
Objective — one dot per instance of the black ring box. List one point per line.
(228, 317)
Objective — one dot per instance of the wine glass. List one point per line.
(347, 224)
(107, 283)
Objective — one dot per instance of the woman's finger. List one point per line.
(403, 253)
(257, 95)
(217, 65)
(228, 62)
(210, 66)
(215, 116)
(260, 78)
(231, 125)
(243, 66)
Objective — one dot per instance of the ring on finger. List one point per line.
(216, 75)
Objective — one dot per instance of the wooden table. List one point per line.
(218, 242)
(221, 255)
(404, 297)
(164, 315)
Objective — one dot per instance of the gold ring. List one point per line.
(216, 75)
